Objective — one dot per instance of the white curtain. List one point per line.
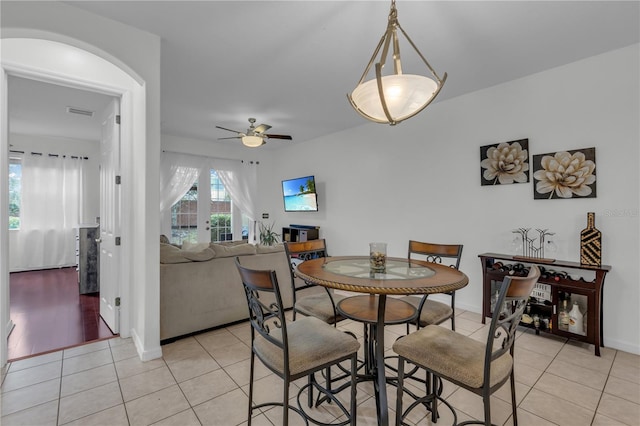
(50, 213)
(178, 172)
(240, 178)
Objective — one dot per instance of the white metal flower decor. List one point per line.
(565, 174)
(504, 163)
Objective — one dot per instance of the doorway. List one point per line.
(39, 59)
(49, 120)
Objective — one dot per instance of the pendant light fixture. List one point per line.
(393, 98)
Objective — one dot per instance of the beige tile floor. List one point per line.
(204, 380)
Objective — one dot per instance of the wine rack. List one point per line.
(559, 281)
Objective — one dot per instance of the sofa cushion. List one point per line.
(235, 250)
(172, 254)
(187, 245)
(269, 249)
(231, 243)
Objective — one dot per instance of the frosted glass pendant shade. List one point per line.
(252, 141)
(405, 95)
(396, 96)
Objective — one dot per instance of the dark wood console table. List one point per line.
(560, 280)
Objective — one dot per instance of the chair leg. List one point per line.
(285, 402)
(434, 403)
(453, 314)
(354, 389)
(486, 398)
(251, 388)
(514, 408)
(399, 392)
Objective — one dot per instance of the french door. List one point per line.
(205, 213)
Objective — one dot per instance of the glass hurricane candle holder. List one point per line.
(378, 256)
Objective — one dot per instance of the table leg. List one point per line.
(381, 380)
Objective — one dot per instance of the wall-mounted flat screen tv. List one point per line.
(300, 194)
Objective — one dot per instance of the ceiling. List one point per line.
(40, 109)
(290, 64)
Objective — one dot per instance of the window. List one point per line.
(15, 192)
(184, 217)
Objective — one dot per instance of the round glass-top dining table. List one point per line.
(400, 277)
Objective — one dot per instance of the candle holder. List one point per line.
(533, 248)
(378, 257)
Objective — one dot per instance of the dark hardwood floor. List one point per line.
(49, 313)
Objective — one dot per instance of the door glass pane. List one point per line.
(221, 229)
(184, 218)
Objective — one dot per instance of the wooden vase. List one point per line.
(591, 243)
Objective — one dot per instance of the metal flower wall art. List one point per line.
(565, 174)
(504, 163)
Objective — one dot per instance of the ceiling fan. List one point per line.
(254, 136)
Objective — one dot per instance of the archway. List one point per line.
(63, 64)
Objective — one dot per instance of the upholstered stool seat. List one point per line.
(452, 355)
(433, 312)
(320, 306)
(312, 345)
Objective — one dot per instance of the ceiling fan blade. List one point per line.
(231, 137)
(262, 128)
(287, 137)
(224, 128)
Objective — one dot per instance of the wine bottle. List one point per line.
(563, 316)
(591, 243)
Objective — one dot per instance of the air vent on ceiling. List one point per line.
(73, 110)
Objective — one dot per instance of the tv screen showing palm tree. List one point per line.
(300, 194)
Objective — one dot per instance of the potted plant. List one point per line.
(268, 236)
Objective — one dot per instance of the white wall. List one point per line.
(56, 145)
(421, 178)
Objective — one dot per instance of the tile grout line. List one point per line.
(124, 405)
(595, 412)
(60, 390)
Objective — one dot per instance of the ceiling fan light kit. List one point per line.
(393, 98)
(252, 141)
(254, 136)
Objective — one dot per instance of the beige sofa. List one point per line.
(200, 288)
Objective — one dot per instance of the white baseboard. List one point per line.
(145, 354)
(622, 346)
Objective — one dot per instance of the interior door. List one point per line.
(110, 217)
